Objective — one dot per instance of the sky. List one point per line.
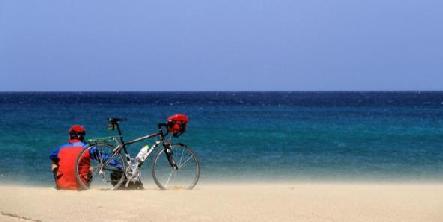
(239, 45)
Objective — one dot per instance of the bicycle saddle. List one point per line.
(113, 122)
(116, 119)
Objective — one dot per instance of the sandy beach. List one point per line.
(229, 202)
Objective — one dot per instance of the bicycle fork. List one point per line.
(169, 156)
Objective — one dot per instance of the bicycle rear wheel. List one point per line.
(98, 167)
(184, 177)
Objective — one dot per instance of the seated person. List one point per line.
(64, 163)
(63, 160)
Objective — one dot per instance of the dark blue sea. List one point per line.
(242, 136)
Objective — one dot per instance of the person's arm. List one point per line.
(93, 153)
(54, 167)
(54, 159)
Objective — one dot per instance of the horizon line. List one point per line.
(215, 91)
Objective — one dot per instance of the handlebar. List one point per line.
(160, 128)
(160, 125)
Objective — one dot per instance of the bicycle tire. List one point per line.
(188, 167)
(106, 166)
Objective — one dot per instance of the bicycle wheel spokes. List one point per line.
(184, 177)
(184, 160)
(171, 176)
(105, 169)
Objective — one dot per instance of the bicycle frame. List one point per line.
(122, 144)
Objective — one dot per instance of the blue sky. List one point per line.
(221, 45)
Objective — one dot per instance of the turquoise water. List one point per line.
(243, 136)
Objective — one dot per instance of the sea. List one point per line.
(241, 136)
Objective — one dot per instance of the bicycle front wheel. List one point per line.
(97, 166)
(186, 173)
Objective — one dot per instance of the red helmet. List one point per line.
(77, 129)
(177, 124)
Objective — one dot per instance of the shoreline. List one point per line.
(229, 202)
(247, 182)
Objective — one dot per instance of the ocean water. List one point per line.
(242, 136)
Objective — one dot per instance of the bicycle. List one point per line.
(175, 166)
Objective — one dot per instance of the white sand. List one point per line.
(229, 202)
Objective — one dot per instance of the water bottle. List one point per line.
(143, 154)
